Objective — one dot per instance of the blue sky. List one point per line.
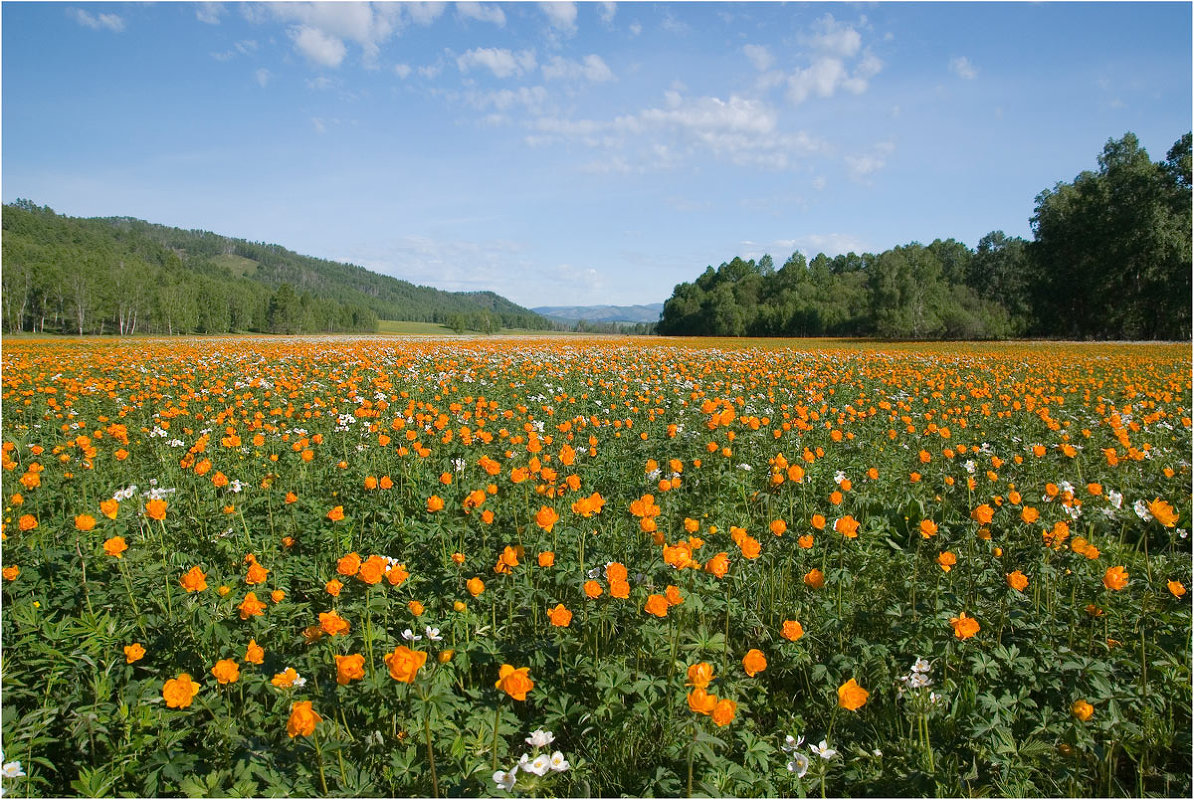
(579, 153)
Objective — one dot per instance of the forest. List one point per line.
(125, 276)
(1110, 258)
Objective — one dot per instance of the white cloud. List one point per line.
(835, 38)
(98, 22)
(635, 28)
(318, 47)
(818, 182)
(502, 63)
(861, 166)
(561, 16)
(530, 97)
(607, 11)
(430, 71)
(402, 70)
(209, 13)
(482, 13)
(262, 75)
(759, 55)
(423, 13)
(592, 68)
(244, 48)
(368, 25)
(673, 25)
(320, 83)
(833, 45)
(962, 67)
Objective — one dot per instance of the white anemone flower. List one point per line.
(823, 750)
(798, 764)
(540, 765)
(558, 762)
(433, 634)
(505, 780)
(410, 635)
(1141, 509)
(921, 665)
(791, 743)
(540, 738)
(12, 769)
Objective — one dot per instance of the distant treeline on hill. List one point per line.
(1110, 259)
(125, 276)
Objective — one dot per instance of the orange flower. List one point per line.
(559, 616)
(619, 589)
(1115, 579)
(331, 623)
(656, 605)
(546, 517)
(27, 522)
(115, 547)
(333, 587)
(792, 630)
(349, 668)
(349, 565)
(983, 514)
(754, 662)
(818, 522)
(964, 626)
(700, 674)
(195, 580)
(109, 508)
(723, 712)
(85, 522)
(133, 652)
(616, 571)
(397, 574)
(179, 692)
(750, 547)
(547, 559)
(847, 526)
(515, 682)
(947, 560)
(814, 579)
(1029, 514)
(285, 679)
(226, 671)
(254, 654)
(156, 509)
(11, 573)
(719, 565)
(701, 702)
(373, 570)
(404, 663)
(1176, 588)
(475, 586)
(672, 596)
(251, 606)
(435, 503)
(416, 608)
(336, 514)
(928, 528)
(1163, 512)
(1082, 710)
(302, 719)
(1017, 580)
(778, 527)
(257, 574)
(851, 696)
(593, 589)
(277, 595)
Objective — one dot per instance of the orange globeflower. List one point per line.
(805, 541)
(194, 580)
(115, 547)
(1115, 579)
(1176, 588)
(616, 571)
(27, 522)
(85, 522)
(672, 596)
(559, 616)
(701, 702)
(700, 674)
(847, 526)
(964, 626)
(719, 565)
(109, 508)
(928, 528)
(415, 608)
(593, 589)
(251, 606)
(277, 595)
(723, 712)
(133, 652)
(349, 668)
(11, 573)
(778, 527)
(754, 662)
(373, 570)
(336, 514)
(546, 518)
(156, 509)
(792, 630)
(851, 696)
(349, 565)
(1017, 580)
(397, 575)
(619, 589)
(818, 522)
(515, 682)
(1163, 512)
(983, 514)
(179, 692)
(656, 605)
(547, 559)
(226, 671)
(331, 623)
(404, 663)
(254, 653)
(1029, 514)
(947, 560)
(814, 579)
(475, 586)
(333, 587)
(302, 720)
(257, 574)
(435, 503)
(1082, 710)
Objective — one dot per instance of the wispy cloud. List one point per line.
(861, 166)
(962, 67)
(759, 55)
(834, 46)
(209, 13)
(318, 47)
(591, 68)
(98, 22)
(561, 16)
(502, 63)
(482, 13)
(263, 77)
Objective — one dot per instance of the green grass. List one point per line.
(402, 326)
(239, 265)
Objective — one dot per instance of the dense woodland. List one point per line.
(1110, 259)
(125, 276)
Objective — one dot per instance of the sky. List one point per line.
(578, 153)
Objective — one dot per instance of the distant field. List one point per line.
(400, 326)
(237, 264)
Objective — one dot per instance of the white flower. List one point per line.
(918, 680)
(505, 780)
(746, 467)
(970, 467)
(299, 682)
(558, 762)
(458, 463)
(1115, 498)
(1066, 486)
(410, 635)
(838, 477)
(798, 764)
(12, 769)
(790, 744)
(921, 665)
(540, 738)
(1141, 509)
(878, 753)
(540, 765)
(433, 634)
(823, 750)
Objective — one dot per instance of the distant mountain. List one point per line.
(644, 313)
(123, 275)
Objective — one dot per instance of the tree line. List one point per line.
(1110, 258)
(125, 276)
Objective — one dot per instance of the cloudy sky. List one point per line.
(579, 153)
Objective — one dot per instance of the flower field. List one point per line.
(547, 566)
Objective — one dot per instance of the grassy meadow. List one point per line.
(571, 566)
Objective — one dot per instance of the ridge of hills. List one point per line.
(645, 313)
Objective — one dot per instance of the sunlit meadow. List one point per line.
(546, 566)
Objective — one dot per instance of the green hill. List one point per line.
(124, 275)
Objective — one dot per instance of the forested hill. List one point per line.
(123, 275)
(1110, 259)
